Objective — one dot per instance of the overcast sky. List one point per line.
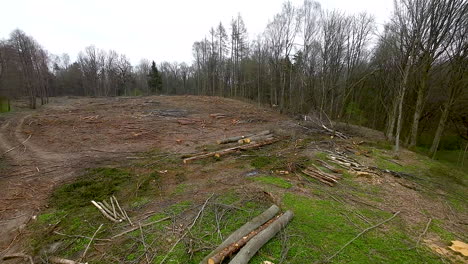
(156, 30)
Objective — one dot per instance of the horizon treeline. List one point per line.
(409, 80)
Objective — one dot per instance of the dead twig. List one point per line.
(360, 234)
(424, 232)
(188, 230)
(142, 225)
(15, 147)
(90, 241)
(144, 243)
(19, 255)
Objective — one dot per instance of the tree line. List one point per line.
(408, 80)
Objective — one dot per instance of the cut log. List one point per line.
(328, 166)
(254, 138)
(235, 139)
(223, 152)
(321, 178)
(105, 213)
(249, 250)
(63, 261)
(244, 230)
(234, 247)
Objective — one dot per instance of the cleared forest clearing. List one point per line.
(57, 159)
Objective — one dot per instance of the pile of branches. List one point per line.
(314, 123)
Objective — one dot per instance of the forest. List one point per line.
(407, 78)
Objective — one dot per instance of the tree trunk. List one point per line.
(249, 250)
(244, 230)
(440, 131)
(392, 120)
(401, 98)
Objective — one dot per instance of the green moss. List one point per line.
(97, 184)
(277, 181)
(319, 229)
(261, 162)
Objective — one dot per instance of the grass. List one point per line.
(319, 229)
(273, 180)
(97, 184)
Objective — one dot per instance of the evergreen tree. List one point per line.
(154, 79)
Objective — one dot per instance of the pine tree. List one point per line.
(154, 79)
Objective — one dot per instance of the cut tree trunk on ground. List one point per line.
(254, 138)
(237, 138)
(318, 177)
(249, 250)
(234, 247)
(63, 261)
(244, 230)
(223, 152)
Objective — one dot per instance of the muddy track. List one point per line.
(69, 135)
(33, 175)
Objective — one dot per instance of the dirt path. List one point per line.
(72, 134)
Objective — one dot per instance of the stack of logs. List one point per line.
(248, 239)
(247, 142)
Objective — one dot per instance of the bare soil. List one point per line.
(71, 134)
(44, 148)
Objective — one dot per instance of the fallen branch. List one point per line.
(19, 255)
(123, 212)
(223, 152)
(360, 234)
(105, 213)
(143, 225)
(186, 232)
(63, 261)
(237, 138)
(244, 230)
(15, 147)
(251, 248)
(90, 241)
(424, 232)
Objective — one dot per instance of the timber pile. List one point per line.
(316, 173)
(248, 239)
(237, 138)
(223, 152)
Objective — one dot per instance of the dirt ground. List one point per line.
(41, 149)
(46, 147)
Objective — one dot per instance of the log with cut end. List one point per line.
(244, 230)
(62, 261)
(255, 138)
(234, 247)
(223, 152)
(249, 250)
(237, 138)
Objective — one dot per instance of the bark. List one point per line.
(249, 250)
(255, 138)
(440, 130)
(244, 230)
(230, 150)
(392, 120)
(234, 247)
(237, 138)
